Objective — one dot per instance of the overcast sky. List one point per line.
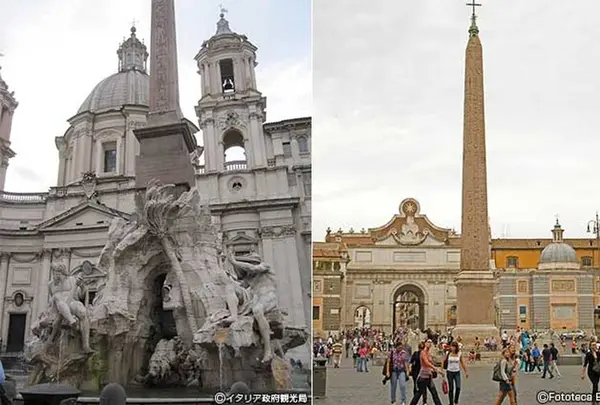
(56, 51)
(388, 102)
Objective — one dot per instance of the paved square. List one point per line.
(348, 387)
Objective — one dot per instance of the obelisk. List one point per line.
(167, 139)
(475, 283)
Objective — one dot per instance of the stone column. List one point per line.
(3, 169)
(237, 75)
(99, 158)
(120, 156)
(41, 295)
(4, 264)
(258, 144)
(295, 150)
(202, 72)
(475, 283)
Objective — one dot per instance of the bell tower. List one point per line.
(231, 111)
(8, 104)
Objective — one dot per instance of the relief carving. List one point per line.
(232, 119)
(277, 231)
(522, 286)
(563, 285)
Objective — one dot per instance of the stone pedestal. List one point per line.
(165, 154)
(475, 309)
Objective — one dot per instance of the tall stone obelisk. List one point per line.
(475, 283)
(167, 140)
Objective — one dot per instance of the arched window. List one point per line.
(302, 144)
(235, 154)
(587, 261)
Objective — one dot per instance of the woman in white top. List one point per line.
(454, 362)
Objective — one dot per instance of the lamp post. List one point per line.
(593, 226)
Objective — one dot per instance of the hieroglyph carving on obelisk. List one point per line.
(164, 81)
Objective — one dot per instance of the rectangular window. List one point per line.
(512, 262)
(316, 313)
(287, 149)
(586, 261)
(110, 157)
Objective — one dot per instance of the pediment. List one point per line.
(410, 228)
(83, 216)
(242, 239)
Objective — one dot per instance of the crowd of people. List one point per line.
(519, 352)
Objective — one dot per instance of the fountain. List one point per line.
(172, 309)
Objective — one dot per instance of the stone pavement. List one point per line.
(348, 387)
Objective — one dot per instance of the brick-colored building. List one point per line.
(329, 268)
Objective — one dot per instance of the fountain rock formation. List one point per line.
(173, 308)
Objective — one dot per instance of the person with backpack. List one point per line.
(453, 363)
(592, 365)
(396, 369)
(415, 368)
(426, 376)
(503, 374)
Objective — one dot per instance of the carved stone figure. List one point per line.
(260, 281)
(64, 291)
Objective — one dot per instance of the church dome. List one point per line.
(558, 254)
(130, 86)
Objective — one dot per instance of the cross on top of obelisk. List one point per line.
(473, 30)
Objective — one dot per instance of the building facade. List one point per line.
(403, 274)
(260, 199)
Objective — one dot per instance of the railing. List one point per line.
(31, 198)
(236, 165)
(200, 169)
(271, 162)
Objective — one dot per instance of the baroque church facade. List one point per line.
(260, 200)
(403, 274)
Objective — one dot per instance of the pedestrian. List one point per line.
(337, 354)
(554, 360)
(363, 357)
(504, 369)
(592, 364)
(547, 357)
(398, 365)
(415, 368)
(453, 363)
(3, 397)
(535, 363)
(426, 376)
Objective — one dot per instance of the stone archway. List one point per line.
(362, 317)
(408, 308)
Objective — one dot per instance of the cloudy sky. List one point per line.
(56, 51)
(388, 102)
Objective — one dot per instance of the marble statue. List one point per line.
(166, 260)
(65, 292)
(260, 280)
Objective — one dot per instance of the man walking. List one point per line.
(547, 357)
(554, 364)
